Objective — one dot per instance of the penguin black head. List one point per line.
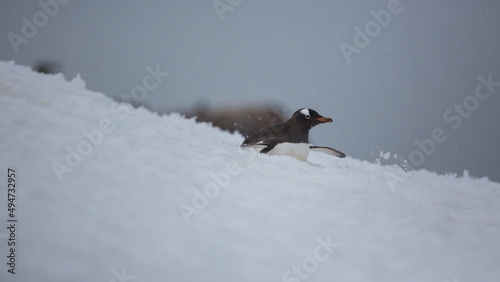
(308, 118)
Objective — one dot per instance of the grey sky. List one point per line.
(426, 59)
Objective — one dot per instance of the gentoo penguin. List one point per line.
(290, 138)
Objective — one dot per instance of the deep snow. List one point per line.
(130, 202)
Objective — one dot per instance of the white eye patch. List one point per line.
(305, 112)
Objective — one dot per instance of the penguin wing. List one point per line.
(327, 150)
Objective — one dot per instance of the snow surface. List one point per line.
(115, 214)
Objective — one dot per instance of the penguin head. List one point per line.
(309, 117)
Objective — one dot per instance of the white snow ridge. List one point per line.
(106, 192)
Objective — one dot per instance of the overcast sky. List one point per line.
(387, 72)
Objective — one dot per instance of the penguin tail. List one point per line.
(244, 133)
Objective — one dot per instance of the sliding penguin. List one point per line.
(290, 138)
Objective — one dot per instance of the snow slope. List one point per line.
(142, 197)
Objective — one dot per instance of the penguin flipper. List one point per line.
(327, 150)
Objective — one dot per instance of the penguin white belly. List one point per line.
(300, 151)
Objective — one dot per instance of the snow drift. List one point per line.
(107, 192)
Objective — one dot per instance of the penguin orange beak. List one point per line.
(324, 119)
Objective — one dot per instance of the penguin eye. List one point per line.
(308, 116)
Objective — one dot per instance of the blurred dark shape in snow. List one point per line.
(47, 67)
(250, 118)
